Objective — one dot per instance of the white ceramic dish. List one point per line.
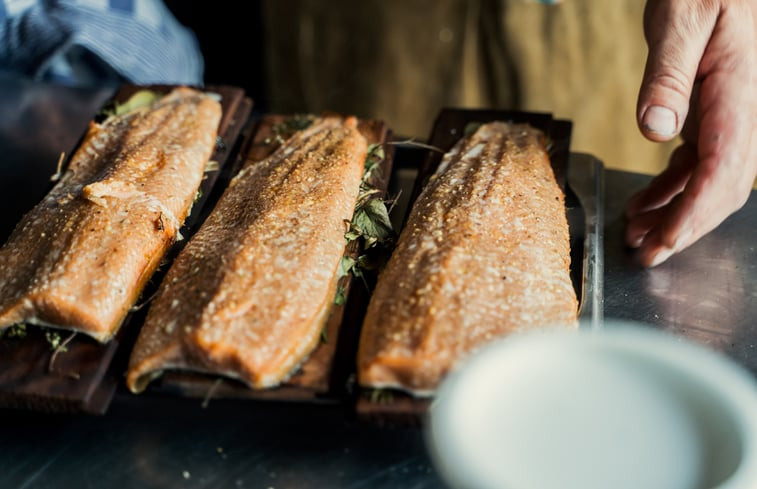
(622, 408)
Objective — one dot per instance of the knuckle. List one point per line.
(673, 80)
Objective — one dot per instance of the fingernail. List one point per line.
(636, 241)
(682, 239)
(660, 120)
(661, 256)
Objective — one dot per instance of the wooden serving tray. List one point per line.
(85, 376)
(397, 408)
(323, 377)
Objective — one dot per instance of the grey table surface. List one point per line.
(706, 294)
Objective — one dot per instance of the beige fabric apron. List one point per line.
(402, 61)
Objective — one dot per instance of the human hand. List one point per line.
(700, 81)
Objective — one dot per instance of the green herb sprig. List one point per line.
(14, 331)
(380, 396)
(370, 220)
(340, 297)
(140, 99)
(59, 346)
(286, 128)
(370, 224)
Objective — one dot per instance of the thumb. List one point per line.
(677, 34)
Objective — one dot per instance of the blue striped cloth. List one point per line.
(88, 42)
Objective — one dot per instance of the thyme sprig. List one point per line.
(137, 307)
(59, 346)
(211, 392)
(59, 169)
(411, 143)
(57, 343)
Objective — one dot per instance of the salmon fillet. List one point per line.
(485, 252)
(79, 259)
(248, 296)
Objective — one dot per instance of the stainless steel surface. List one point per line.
(707, 294)
(154, 442)
(586, 179)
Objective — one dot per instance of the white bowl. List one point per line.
(623, 408)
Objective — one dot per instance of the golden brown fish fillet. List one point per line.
(80, 258)
(248, 296)
(485, 252)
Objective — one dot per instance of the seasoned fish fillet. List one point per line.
(248, 296)
(80, 258)
(485, 252)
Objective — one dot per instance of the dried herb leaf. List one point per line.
(549, 145)
(372, 222)
(470, 128)
(340, 298)
(59, 346)
(211, 166)
(59, 170)
(220, 144)
(16, 331)
(352, 235)
(373, 159)
(53, 337)
(345, 266)
(208, 396)
(142, 98)
(286, 128)
(411, 143)
(380, 396)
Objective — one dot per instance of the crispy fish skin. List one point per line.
(79, 259)
(485, 252)
(249, 294)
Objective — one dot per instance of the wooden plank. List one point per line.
(83, 378)
(396, 408)
(324, 375)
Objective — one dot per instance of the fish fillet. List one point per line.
(248, 296)
(485, 252)
(79, 259)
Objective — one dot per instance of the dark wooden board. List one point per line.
(323, 377)
(396, 408)
(84, 377)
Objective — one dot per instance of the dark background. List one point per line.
(231, 36)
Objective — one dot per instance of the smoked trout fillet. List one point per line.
(485, 252)
(248, 296)
(79, 259)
